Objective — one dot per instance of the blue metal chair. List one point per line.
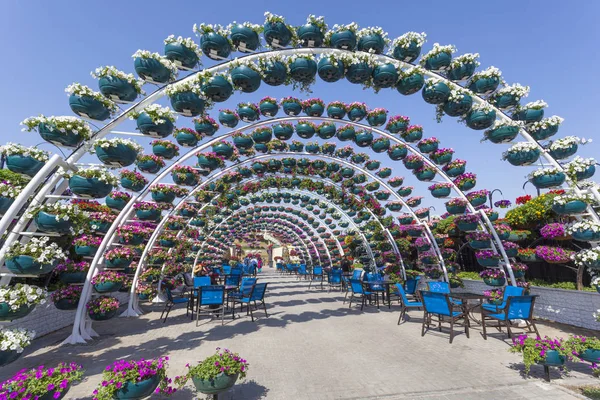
(217, 270)
(316, 275)
(212, 297)
(334, 278)
(439, 304)
(410, 286)
(357, 274)
(289, 268)
(201, 281)
(236, 271)
(258, 294)
(302, 272)
(171, 302)
(246, 283)
(226, 269)
(356, 286)
(442, 287)
(233, 280)
(243, 298)
(517, 308)
(406, 305)
(508, 291)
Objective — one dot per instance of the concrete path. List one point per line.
(314, 347)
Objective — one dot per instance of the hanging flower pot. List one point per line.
(435, 91)
(397, 124)
(102, 308)
(133, 180)
(463, 67)
(330, 69)
(291, 106)
(27, 265)
(547, 178)
(268, 107)
(385, 75)
(439, 58)
(410, 82)
(358, 71)
(486, 82)
(508, 96)
(407, 47)
(89, 104)
(397, 152)
(117, 85)
(274, 71)
(530, 112)
(223, 149)
(502, 133)
(276, 32)
(467, 222)
(569, 204)
(242, 141)
(371, 40)
(584, 231)
(425, 173)
(245, 77)
(305, 129)
(346, 133)
(108, 281)
(228, 118)
(150, 163)
(244, 38)
(545, 128)
(480, 117)
(262, 135)
(52, 219)
(187, 137)
(487, 258)
(311, 34)
(248, 112)
(458, 105)
(456, 206)
(205, 125)
(405, 191)
(413, 161)
(428, 145)
(217, 88)
(343, 37)
(92, 183)
(62, 131)
(23, 160)
(522, 154)
(303, 68)
(380, 145)
(155, 121)
(357, 111)
(363, 138)
(465, 181)
(185, 175)
(377, 117)
(183, 52)
(152, 67)
(164, 149)
(413, 133)
(214, 41)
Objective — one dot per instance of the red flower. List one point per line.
(523, 199)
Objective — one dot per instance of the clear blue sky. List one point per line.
(548, 45)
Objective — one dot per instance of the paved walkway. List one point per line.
(314, 347)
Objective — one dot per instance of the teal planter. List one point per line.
(143, 297)
(5, 204)
(108, 287)
(371, 44)
(100, 226)
(586, 174)
(503, 134)
(397, 153)
(397, 127)
(439, 62)
(437, 93)
(48, 223)
(377, 120)
(407, 54)
(152, 70)
(466, 185)
(305, 131)
(489, 262)
(442, 159)
(261, 148)
(410, 84)
(591, 355)
(66, 305)
(88, 107)
(147, 215)
(221, 383)
(23, 164)
(89, 187)
(492, 282)
(326, 131)
(467, 226)
(223, 150)
(129, 184)
(120, 262)
(413, 136)
(50, 134)
(86, 251)
(274, 73)
(511, 253)
(227, 119)
(244, 39)
(363, 139)
(186, 139)
(549, 181)
(8, 356)
(493, 216)
(480, 244)
(207, 163)
(181, 55)
(262, 136)
(115, 204)
(117, 89)
(303, 70)
(72, 277)
(553, 359)
(380, 146)
(314, 110)
(478, 201)
(346, 134)
(149, 166)
(343, 40)
(428, 147)
(292, 108)
(245, 78)
(455, 210)
(329, 71)
(462, 72)
(167, 243)
(187, 179)
(586, 236)
(312, 148)
(102, 316)
(441, 192)
(310, 35)
(404, 192)
(359, 73)
(480, 120)
(6, 314)
(529, 115)
(517, 274)
(336, 112)
(356, 114)
(458, 108)
(163, 151)
(485, 85)
(413, 164)
(160, 197)
(504, 101)
(188, 104)
(544, 133)
(26, 265)
(247, 114)
(561, 154)
(277, 34)
(572, 207)
(205, 128)
(268, 109)
(523, 157)
(385, 76)
(425, 176)
(215, 46)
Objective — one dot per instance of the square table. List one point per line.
(465, 297)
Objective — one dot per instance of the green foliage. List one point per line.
(403, 246)
(559, 285)
(537, 211)
(469, 275)
(13, 177)
(591, 392)
(444, 225)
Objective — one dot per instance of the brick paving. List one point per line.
(314, 347)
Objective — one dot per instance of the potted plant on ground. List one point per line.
(216, 373)
(19, 300)
(492, 277)
(12, 344)
(89, 104)
(62, 131)
(24, 160)
(102, 308)
(546, 351)
(66, 298)
(42, 383)
(154, 68)
(117, 152)
(36, 257)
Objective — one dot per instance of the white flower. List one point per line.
(161, 59)
(544, 172)
(78, 89)
(437, 49)
(115, 73)
(185, 42)
(407, 39)
(114, 142)
(10, 149)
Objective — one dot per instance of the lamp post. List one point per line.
(536, 189)
(429, 216)
(492, 194)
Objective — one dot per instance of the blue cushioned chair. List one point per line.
(442, 287)
(226, 269)
(233, 280)
(410, 286)
(198, 282)
(252, 294)
(439, 304)
(244, 287)
(357, 274)
(517, 308)
(317, 275)
(335, 279)
(508, 291)
(358, 290)
(171, 302)
(212, 297)
(217, 270)
(406, 305)
(302, 272)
